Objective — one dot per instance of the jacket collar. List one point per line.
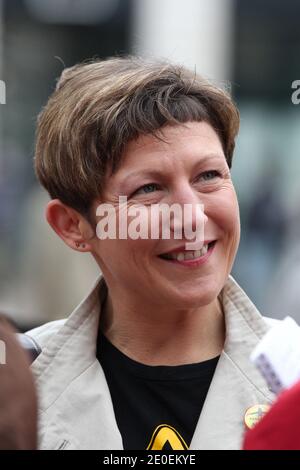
(75, 407)
(68, 372)
(236, 385)
(73, 349)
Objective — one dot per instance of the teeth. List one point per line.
(185, 255)
(204, 250)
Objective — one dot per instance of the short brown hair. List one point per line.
(100, 106)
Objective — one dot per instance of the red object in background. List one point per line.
(279, 429)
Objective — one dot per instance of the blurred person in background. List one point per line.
(156, 356)
(283, 294)
(18, 402)
(266, 228)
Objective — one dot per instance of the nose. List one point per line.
(188, 222)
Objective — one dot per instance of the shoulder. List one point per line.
(43, 333)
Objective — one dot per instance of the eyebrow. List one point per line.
(156, 173)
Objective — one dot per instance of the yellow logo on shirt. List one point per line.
(165, 434)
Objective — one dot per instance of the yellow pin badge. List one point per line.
(254, 414)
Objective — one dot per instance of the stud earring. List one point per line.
(81, 245)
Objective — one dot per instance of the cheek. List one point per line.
(123, 256)
(232, 217)
(224, 211)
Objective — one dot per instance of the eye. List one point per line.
(147, 188)
(209, 175)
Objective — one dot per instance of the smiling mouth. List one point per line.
(185, 255)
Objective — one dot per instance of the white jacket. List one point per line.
(76, 410)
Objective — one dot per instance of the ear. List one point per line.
(69, 225)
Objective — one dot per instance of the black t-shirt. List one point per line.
(156, 407)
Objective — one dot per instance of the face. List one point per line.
(187, 167)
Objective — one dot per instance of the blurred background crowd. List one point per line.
(253, 45)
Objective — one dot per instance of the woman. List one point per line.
(156, 356)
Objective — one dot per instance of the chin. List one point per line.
(191, 298)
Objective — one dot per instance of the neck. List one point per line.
(160, 336)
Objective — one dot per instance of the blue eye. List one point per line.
(147, 188)
(209, 175)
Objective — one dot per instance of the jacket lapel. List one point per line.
(76, 410)
(236, 384)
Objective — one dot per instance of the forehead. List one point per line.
(176, 144)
